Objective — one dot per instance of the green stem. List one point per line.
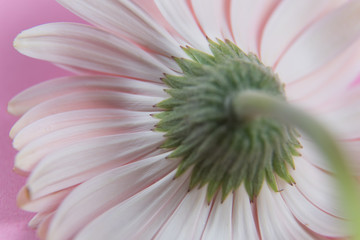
(258, 103)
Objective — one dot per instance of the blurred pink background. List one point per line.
(17, 73)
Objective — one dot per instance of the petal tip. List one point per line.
(23, 197)
(20, 171)
(13, 132)
(17, 43)
(13, 107)
(16, 144)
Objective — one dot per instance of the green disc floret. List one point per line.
(223, 150)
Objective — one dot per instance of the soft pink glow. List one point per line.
(17, 73)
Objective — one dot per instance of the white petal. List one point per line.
(343, 115)
(88, 48)
(59, 121)
(62, 86)
(244, 226)
(45, 204)
(248, 18)
(219, 224)
(180, 16)
(86, 100)
(311, 153)
(124, 18)
(320, 189)
(87, 201)
(311, 216)
(79, 162)
(44, 226)
(38, 219)
(289, 19)
(331, 81)
(32, 153)
(142, 215)
(275, 219)
(191, 215)
(323, 41)
(214, 18)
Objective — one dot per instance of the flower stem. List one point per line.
(255, 103)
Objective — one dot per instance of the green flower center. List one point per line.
(221, 149)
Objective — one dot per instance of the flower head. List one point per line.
(144, 144)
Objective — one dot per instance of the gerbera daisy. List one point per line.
(144, 143)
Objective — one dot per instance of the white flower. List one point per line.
(87, 142)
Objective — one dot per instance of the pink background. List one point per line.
(17, 73)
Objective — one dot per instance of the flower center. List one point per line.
(221, 149)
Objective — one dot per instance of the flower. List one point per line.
(94, 149)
